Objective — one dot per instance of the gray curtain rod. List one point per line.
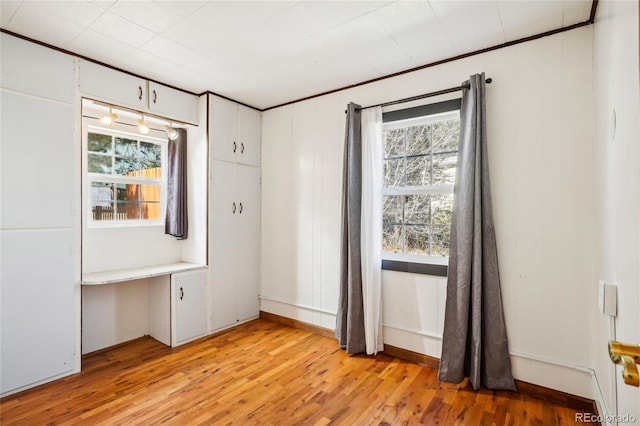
(426, 95)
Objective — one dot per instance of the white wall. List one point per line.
(617, 181)
(539, 130)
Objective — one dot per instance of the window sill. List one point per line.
(438, 269)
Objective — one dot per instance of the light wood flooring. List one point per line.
(268, 374)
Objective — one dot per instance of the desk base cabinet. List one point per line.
(188, 290)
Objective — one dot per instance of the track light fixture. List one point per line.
(142, 126)
(109, 119)
(172, 133)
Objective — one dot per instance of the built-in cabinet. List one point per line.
(39, 190)
(189, 302)
(235, 132)
(46, 290)
(234, 212)
(106, 84)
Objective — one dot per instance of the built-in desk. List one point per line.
(167, 302)
(120, 275)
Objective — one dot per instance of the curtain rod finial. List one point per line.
(489, 80)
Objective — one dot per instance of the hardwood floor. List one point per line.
(264, 373)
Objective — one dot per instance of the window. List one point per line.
(420, 155)
(125, 176)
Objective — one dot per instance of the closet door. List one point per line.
(224, 129)
(249, 129)
(224, 210)
(248, 236)
(37, 309)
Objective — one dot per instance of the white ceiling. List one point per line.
(265, 53)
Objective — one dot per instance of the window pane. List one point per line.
(394, 143)
(126, 147)
(417, 239)
(392, 238)
(418, 140)
(392, 209)
(150, 193)
(441, 209)
(99, 164)
(128, 211)
(127, 166)
(445, 136)
(99, 143)
(127, 192)
(444, 169)
(416, 209)
(150, 155)
(151, 211)
(419, 171)
(101, 200)
(394, 173)
(440, 240)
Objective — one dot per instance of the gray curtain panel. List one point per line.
(176, 222)
(474, 342)
(350, 318)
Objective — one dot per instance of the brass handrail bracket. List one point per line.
(628, 356)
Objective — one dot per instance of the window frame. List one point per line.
(93, 125)
(405, 262)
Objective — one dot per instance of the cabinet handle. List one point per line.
(234, 207)
(240, 208)
(235, 146)
(242, 148)
(181, 293)
(139, 93)
(155, 96)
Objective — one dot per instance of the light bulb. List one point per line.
(109, 119)
(142, 126)
(172, 133)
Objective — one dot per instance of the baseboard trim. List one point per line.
(578, 403)
(325, 332)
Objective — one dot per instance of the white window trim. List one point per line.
(91, 124)
(418, 190)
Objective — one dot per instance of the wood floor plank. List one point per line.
(264, 373)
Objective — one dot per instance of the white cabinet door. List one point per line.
(189, 298)
(172, 103)
(223, 127)
(113, 86)
(224, 209)
(248, 237)
(38, 165)
(38, 307)
(36, 70)
(249, 122)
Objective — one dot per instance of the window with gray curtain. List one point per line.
(420, 154)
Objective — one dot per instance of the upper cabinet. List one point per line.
(36, 70)
(235, 132)
(127, 90)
